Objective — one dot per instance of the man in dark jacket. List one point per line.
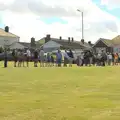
(5, 58)
(71, 58)
(35, 58)
(103, 58)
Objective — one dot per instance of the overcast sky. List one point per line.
(36, 18)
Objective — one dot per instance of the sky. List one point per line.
(36, 18)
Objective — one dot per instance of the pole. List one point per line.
(82, 26)
(82, 23)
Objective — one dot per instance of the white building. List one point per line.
(7, 38)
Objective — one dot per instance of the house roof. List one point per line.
(116, 40)
(107, 42)
(25, 44)
(65, 43)
(110, 43)
(3, 33)
(28, 45)
(17, 45)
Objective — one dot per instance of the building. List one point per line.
(20, 45)
(116, 44)
(103, 44)
(7, 38)
(51, 44)
(107, 45)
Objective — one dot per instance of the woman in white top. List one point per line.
(28, 54)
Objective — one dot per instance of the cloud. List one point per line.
(111, 4)
(26, 19)
(37, 7)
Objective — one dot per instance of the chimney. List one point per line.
(60, 38)
(68, 39)
(6, 29)
(33, 44)
(82, 40)
(89, 42)
(47, 38)
(72, 39)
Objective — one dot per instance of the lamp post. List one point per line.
(82, 23)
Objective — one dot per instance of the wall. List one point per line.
(9, 40)
(116, 49)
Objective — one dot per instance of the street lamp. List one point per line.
(82, 23)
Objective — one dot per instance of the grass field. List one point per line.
(60, 93)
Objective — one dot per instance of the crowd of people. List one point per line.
(66, 58)
(39, 56)
(98, 59)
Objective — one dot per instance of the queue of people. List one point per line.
(48, 60)
(58, 59)
(99, 59)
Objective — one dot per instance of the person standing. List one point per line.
(103, 58)
(90, 58)
(41, 55)
(65, 58)
(116, 59)
(109, 58)
(48, 60)
(28, 56)
(82, 59)
(23, 57)
(59, 58)
(98, 59)
(15, 57)
(119, 57)
(5, 58)
(35, 58)
(19, 58)
(71, 57)
(52, 60)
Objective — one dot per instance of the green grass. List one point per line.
(91, 93)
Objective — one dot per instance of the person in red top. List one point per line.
(116, 59)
